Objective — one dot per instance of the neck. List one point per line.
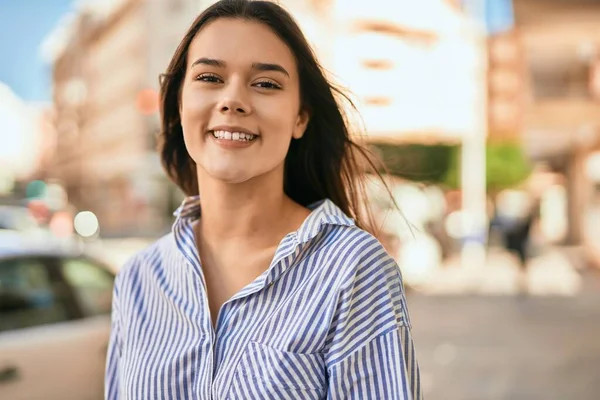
(251, 211)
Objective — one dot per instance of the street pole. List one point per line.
(473, 169)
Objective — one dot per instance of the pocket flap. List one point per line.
(284, 369)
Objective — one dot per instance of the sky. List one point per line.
(23, 26)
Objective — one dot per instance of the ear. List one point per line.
(301, 124)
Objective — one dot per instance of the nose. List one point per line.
(234, 106)
(233, 101)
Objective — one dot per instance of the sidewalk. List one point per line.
(554, 273)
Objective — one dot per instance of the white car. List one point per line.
(17, 218)
(54, 323)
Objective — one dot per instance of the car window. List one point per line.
(91, 283)
(27, 295)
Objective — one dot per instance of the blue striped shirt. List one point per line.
(326, 320)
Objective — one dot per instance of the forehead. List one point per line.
(240, 42)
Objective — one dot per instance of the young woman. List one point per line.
(267, 287)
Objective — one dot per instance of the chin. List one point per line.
(229, 176)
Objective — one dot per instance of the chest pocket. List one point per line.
(268, 373)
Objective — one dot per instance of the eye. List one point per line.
(209, 78)
(267, 84)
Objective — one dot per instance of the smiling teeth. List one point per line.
(238, 136)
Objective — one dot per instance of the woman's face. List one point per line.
(240, 101)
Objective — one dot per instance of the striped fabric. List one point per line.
(326, 320)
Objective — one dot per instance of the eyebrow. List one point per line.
(209, 61)
(270, 67)
(257, 66)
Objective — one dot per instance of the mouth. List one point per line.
(233, 135)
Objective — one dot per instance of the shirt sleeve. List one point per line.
(111, 377)
(370, 352)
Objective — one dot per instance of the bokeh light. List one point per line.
(86, 224)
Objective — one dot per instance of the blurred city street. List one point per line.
(485, 114)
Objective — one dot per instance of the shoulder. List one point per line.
(348, 238)
(358, 245)
(142, 261)
(355, 253)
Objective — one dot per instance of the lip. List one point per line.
(232, 128)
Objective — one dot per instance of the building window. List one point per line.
(381, 65)
(566, 76)
(377, 101)
(395, 30)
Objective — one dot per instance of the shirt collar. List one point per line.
(189, 208)
(324, 213)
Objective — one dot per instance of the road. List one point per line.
(485, 347)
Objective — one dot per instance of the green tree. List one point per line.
(506, 163)
(506, 166)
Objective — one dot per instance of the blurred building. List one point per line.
(416, 69)
(560, 122)
(417, 72)
(26, 135)
(542, 92)
(107, 59)
(506, 86)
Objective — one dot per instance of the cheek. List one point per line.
(194, 116)
(279, 118)
(194, 101)
(191, 108)
(189, 126)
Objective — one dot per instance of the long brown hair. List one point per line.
(325, 163)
